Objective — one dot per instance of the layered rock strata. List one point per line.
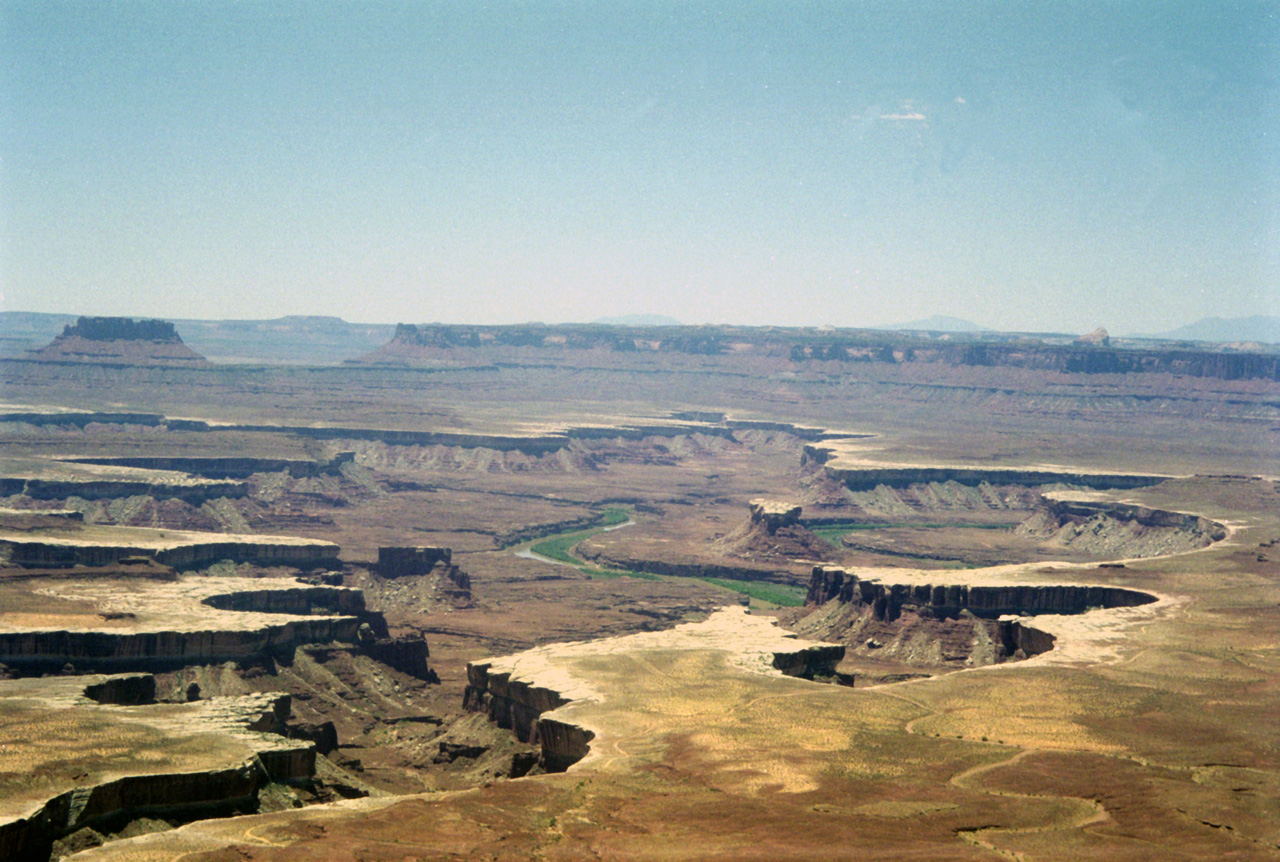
(868, 476)
(193, 491)
(887, 600)
(182, 762)
(1064, 511)
(149, 625)
(98, 546)
(226, 468)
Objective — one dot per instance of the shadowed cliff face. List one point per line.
(888, 599)
(932, 627)
(121, 329)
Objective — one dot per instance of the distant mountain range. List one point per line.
(1258, 327)
(936, 323)
(637, 320)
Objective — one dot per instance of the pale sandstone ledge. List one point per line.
(98, 761)
(854, 465)
(137, 624)
(540, 693)
(95, 545)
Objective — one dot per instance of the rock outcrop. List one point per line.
(119, 341)
(227, 468)
(867, 477)
(944, 627)
(396, 561)
(772, 532)
(771, 514)
(222, 781)
(122, 329)
(193, 491)
(34, 652)
(158, 625)
(57, 548)
(887, 600)
(1099, 337)
(123, 690)
(407, 654)
(1119, 529)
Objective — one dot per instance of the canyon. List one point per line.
(518, 592)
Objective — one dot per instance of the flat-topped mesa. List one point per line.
(119, 341)
(887, 601)
(122, 329)
(428, 336)
(773, 514)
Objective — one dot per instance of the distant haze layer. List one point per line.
(1033, 166)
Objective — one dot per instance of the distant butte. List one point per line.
(119, 341)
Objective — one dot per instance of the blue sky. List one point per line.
(1030, 166)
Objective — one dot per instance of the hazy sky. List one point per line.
(1027, 165)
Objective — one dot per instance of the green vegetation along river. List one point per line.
(558, 547)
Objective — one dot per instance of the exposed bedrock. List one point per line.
(830, 583)
(1091, 354)
(298, 600)
(81, 419)
(517, 705)
(51, 554)
(772, 514)
(941, 627)
(529, 445)
(122, 329)
(408, 654)
(870, 477)
(1077, 511)
(228, 468)
(394, 562)
(114, 651)
(123, 690)
(182, 796)
(324, 615)
(513, 705)
(194, 493)
(818, 659)
(119, 341)
(772, 533)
